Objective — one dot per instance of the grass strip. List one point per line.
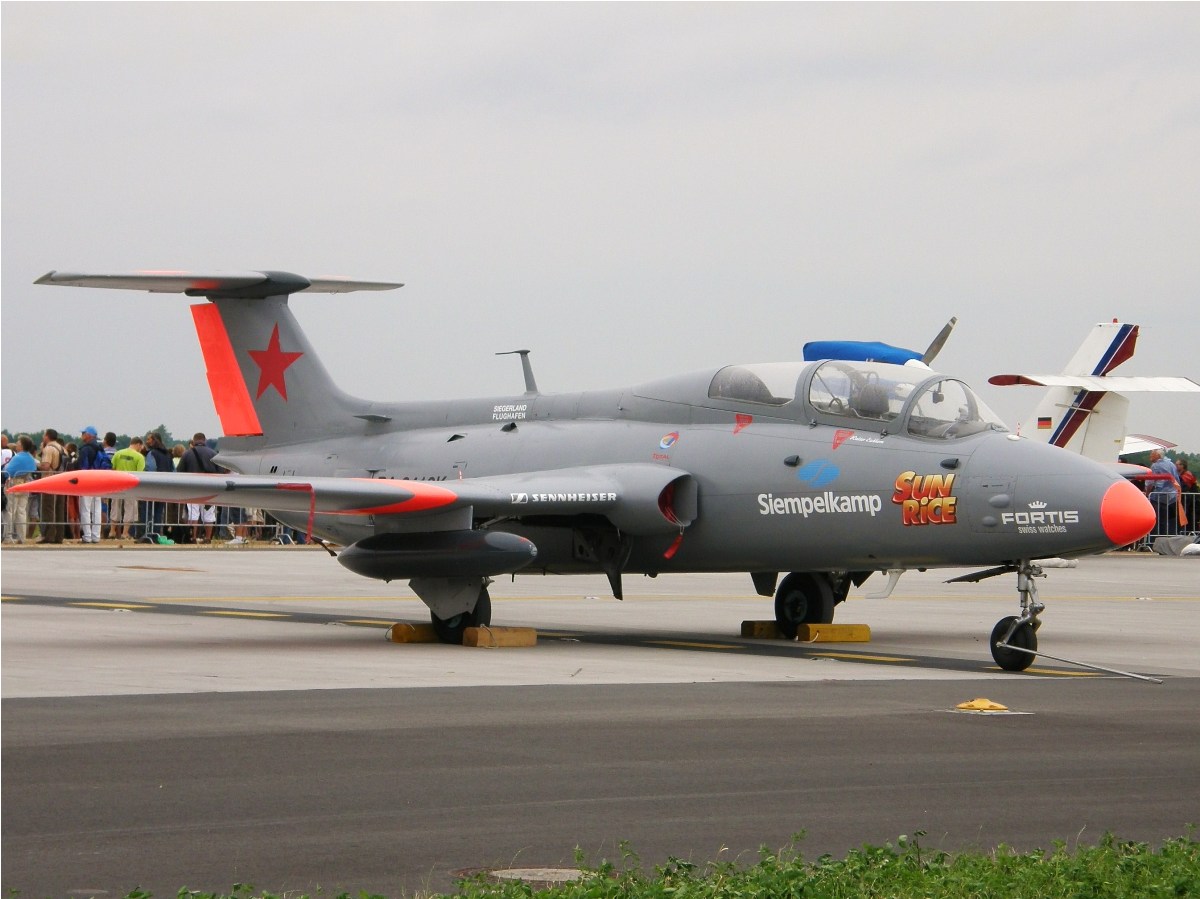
(905, 870)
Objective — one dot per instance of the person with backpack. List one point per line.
(198, 459)
(158, 458)
(53, 459)
(91, 458)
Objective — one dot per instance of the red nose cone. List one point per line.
(1126, 514)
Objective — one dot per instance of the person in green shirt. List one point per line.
(122, 514)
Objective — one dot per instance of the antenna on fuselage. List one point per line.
(526, 368)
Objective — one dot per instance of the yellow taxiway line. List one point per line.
(231, 613)
(860, 657)
(110, 605)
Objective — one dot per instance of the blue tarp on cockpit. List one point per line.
(858, 351)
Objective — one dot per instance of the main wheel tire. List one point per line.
(451, 630)
(803, 599)
(1024, 636)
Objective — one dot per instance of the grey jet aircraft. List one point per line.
(824, 471)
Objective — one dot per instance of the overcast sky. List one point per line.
(628, 190)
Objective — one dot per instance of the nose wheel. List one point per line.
(1014, 638)
(1012, 643)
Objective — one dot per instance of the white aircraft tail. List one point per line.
(1089, 422)
(265, 377)
(1084, 409)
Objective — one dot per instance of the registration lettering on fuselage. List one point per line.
(510, 411)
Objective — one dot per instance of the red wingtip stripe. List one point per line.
(81, 483)
(225, 382)
(423, 497)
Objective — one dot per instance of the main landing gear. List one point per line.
(451, 630)
(804, 598)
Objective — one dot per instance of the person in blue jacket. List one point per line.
(20, 468)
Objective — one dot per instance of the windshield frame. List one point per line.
(913, 382)
(982, 419)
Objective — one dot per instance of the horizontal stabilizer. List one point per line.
(197, 284)
(1101, 383)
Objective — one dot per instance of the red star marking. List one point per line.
(272, 363)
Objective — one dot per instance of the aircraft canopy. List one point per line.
(862, 394)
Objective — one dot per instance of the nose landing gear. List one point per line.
(1014, 638)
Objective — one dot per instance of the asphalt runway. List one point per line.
(199, 717)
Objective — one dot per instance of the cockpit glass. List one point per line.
(860, 390)
(769, 383)
(864, 394)
(947, 409)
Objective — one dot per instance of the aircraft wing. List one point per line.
(1101, 383)
(1143, 443)
(204, 283)
(639, 498)
(336, 496)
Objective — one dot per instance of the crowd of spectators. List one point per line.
(49, 519)
(1171, 489)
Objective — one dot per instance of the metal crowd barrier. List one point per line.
(1190, 503)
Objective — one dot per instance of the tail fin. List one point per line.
(263, 373)
(1082, 410)
(1089, 422)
